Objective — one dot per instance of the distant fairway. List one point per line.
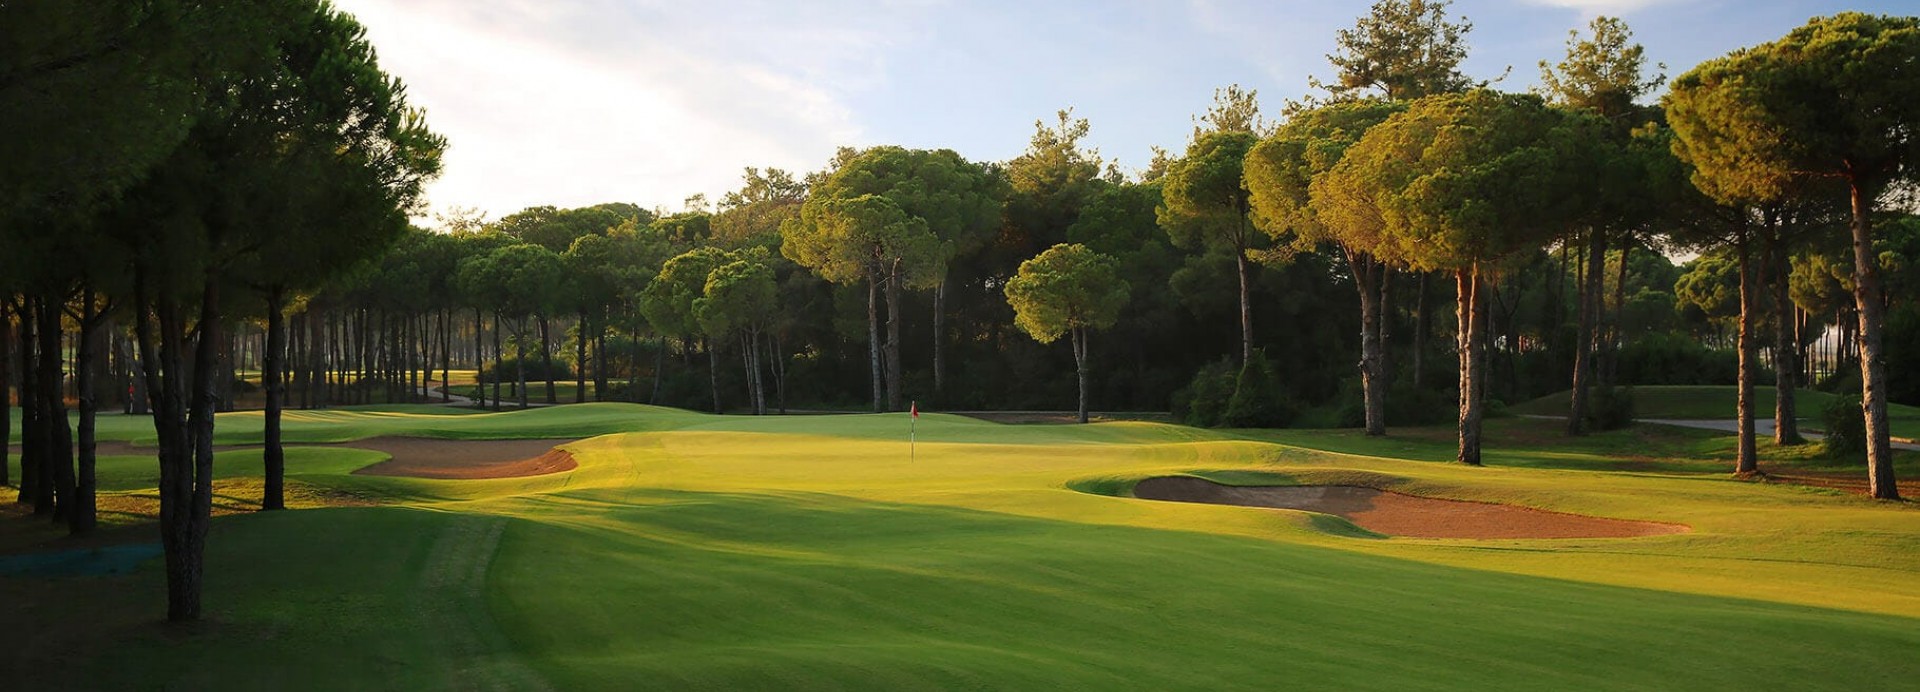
(707, 552)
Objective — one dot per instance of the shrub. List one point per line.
(1611, 408)
(1203, 402)
(1670, 358)
(1846, 429)
(1258, 399)
(536, 369)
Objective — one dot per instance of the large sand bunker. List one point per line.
(418, 457)
(1395, 514)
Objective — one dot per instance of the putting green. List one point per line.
(695, 551)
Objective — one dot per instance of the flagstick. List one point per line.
(912, 438)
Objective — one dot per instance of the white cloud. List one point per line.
(594, 101)
(1591, 8)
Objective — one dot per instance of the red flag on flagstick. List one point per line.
(914, 408)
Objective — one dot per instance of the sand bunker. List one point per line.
(1395, 514)
(458, 459)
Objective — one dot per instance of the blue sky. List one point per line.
(575, 102)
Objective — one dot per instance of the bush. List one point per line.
(1258, 399)
(1671, 358)
(1611, 408)
(536, 370)
(1203, 402)
(1901, 342)
(1846, 429)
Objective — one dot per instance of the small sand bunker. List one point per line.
(1395, 514)
(461, 459)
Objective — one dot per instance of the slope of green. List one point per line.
(1719, 402)
(707, 552)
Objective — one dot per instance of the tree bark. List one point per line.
(1610, 365)
(713, 372)
(58, 453)
(31, 434)
(1873, 358)
(273, 453)
(6, 390)
(580, 362)
(546, 358)
(873, 336)
(1786, 352)
(1080, 365)
(499, 361)
(1593, 285)
(1373, 381)
(1421, 326)
(1746, 461)
(894, 396)
(82, 519)
(940, 336)
(1246, 307)
(1471, 315)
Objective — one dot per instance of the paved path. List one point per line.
(1762, 427)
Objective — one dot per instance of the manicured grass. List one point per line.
(1719, 402)
(727, 552)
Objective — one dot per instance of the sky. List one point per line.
(577, 102)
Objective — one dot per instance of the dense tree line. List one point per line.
(241, 221)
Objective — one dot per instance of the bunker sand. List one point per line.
(418, 457)
(1395, 514)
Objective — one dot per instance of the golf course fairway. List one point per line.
(690, 551)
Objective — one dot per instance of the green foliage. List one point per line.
(1846, 428)
(739, 295)
(1068, 287)
(1602, 73)
(508, 369)
(850, 240)
(1404, 49)
(1259, 399)
(1458, 180)
(1668, 358)
(1836, 97)
(1611, 408)
(669, 299)
(1903, 354)
(1203, 200)
(1711, 285)
(1280, 171)
(1203, 402)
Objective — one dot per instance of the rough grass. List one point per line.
(696, 551)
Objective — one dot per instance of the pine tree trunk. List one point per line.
(1873, 357)
(580, 362)
(546, 358)
(1472, 319)
(1610, 366)
(30, 432)
(59, 441)
(873, 337)
(83, 517)
(1373, 381)
(6, 391)
(1786, 352)
(1246, 307)
(1592, 286)
(1421, 326)
(1746, 462)
(273, 452)
(1080, 365)
(659, 364)
(940, 336)
(894, 395)
(713, 372)
(499, 362)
